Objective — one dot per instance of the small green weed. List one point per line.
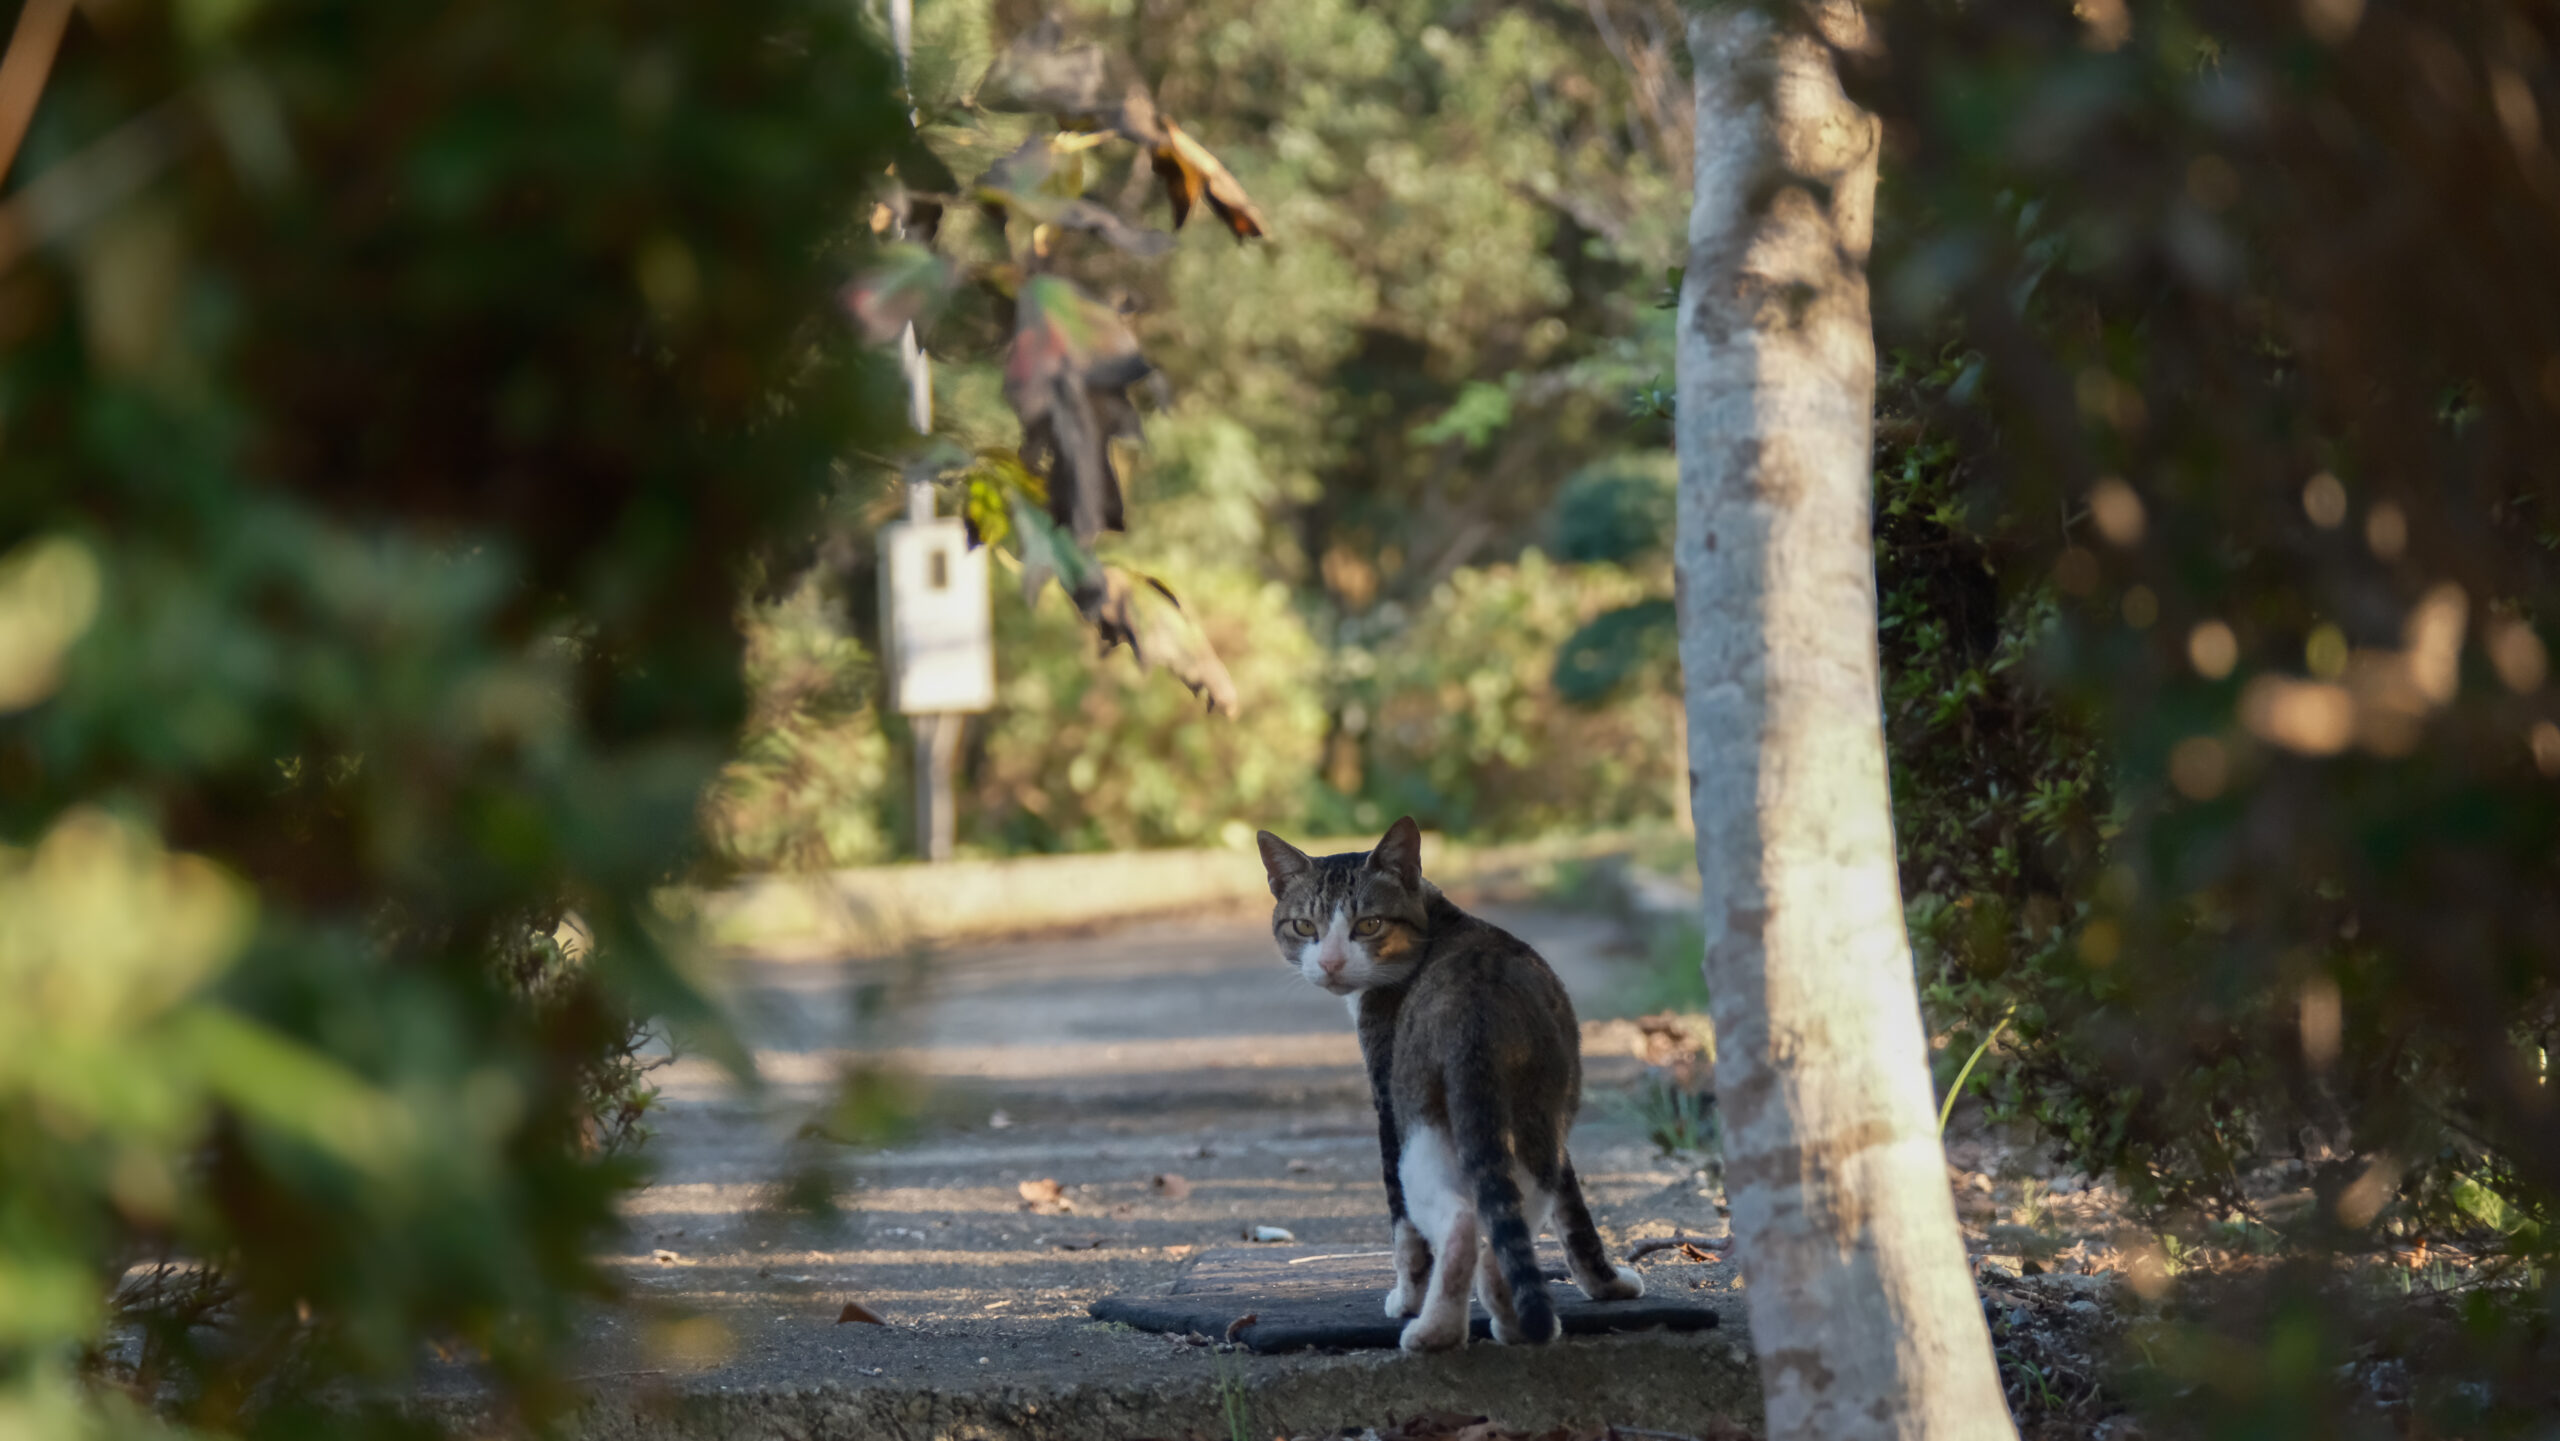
(1674, 976)
(1679, 1120)
(1235, 1404)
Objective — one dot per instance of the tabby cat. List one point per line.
(1475, 1063)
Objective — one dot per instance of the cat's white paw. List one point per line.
(1434, 1333)
(1404, 1300)
(1625, 1286)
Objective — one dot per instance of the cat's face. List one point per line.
(1351, 922)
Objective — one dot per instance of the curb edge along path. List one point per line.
(883, 910)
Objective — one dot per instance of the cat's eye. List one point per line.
(1302, 927)
(1367, 926)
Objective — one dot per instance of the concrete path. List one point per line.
(1179, 1086)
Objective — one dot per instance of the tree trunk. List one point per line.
(1864, 1317)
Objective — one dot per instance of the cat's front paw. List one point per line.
(1434, 1333)
(1512, 1331)
(1625, 1286)
(1405, 1300)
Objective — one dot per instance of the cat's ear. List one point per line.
(1282, 861)
(1400, 854)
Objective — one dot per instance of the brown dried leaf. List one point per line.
(1192, 174)
(856, 1311)
(1143, 613)
(1236, 1327)
(1067, 378)
(1045, 1196)
(1171, 1185)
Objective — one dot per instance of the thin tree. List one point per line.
(1864, 1318)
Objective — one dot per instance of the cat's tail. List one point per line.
(1480, 1130)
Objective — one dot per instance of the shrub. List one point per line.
(384, 455)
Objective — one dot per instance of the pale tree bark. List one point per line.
(1863, 1315)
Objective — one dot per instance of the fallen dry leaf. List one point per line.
(1045, 1196)
(856, 1311)
(1170, 1185)
(1235, 1328)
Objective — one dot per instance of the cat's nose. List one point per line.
(1332, 965)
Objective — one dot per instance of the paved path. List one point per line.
(1182, 1050)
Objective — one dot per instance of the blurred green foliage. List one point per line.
(2216, 552)
(393, 399)
(1372, 417)
(1087, 753)
(810, 785)
(1464, 720)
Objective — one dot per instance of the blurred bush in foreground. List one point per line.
(391, 398)
(2255, 389)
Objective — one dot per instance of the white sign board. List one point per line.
(940, 632)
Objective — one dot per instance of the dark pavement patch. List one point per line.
(1328, 1297)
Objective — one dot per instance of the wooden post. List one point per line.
(937, 733)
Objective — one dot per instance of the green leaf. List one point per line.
(1048, 551)
(989, 490)
(1480, 412)
(1043, 182)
